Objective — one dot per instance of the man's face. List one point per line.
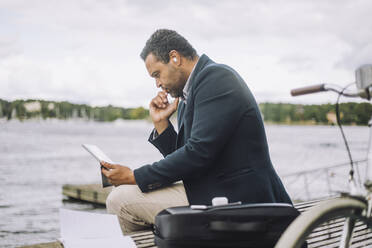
(169, 77)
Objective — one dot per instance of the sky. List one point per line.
(88, 51)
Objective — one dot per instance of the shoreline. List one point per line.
(81, 120)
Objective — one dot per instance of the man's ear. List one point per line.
(175, 57)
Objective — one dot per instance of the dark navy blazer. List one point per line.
(221, 147)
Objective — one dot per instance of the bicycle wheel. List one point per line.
(320, 219)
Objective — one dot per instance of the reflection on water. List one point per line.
(37, 158)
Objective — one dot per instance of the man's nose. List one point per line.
(158, 84)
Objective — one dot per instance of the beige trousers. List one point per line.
(137, 210)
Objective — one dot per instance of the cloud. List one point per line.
(88, 51)
(8, 47)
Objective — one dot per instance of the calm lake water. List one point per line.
(37, 158)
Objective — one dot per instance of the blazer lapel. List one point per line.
(203, 62)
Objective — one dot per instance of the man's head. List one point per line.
(168, 57)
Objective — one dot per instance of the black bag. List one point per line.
(247, 225)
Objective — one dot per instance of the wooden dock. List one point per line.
(92, 193)
(327, 236)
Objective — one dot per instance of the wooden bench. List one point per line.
(327, 235)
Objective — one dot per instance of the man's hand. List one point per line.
(118, 174)
(161, 110)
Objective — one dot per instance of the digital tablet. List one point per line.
(100, 156)
(97, 153)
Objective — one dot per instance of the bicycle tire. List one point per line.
(299, 230)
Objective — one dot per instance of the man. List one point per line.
(220, 148)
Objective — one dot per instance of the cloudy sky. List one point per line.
(88, 51)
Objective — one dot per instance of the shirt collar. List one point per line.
(186, 88)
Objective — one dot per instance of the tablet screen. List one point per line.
(97, 153)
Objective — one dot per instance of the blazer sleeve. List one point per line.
(166, 141)
(218, 106)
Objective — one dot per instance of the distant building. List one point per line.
(331, 117)
(51, 106)
(33, 106)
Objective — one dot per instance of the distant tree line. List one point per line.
(351, 113)
(28, 109)
(281, 113)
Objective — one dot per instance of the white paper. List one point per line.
(122, 242)
(97, 153)
(83, 229)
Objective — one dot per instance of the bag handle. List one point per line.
(229, 226)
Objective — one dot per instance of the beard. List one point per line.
(179, 83)
(176, 92)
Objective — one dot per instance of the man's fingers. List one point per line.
(158, 102)
(107, 165)
(163, 95)
(106, 172)
(155, 102)
(111, 176)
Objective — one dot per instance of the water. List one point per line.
(298, 148)
(37, 158)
